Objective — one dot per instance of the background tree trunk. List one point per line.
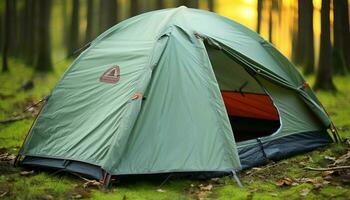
(89, 21)
(189, 3)
(159, 4)
(28, 31)
(73, 38)
(341, 36)
(108, 14)
(65, 24)
(259, 13)
(270, 21)
(211, 5)
(7, 32)
(1, 31)
(32, 37)
(134, 7)
(304, 51)
(346, 31)
(44, 62)
(324, 73)
(12, 45)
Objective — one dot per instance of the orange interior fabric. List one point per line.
(249, 105)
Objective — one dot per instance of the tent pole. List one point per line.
(31, 127)
(106, 180)
(234, 175)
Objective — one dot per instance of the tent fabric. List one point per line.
(249, 105)
(181, 123)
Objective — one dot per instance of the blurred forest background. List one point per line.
(313, 34)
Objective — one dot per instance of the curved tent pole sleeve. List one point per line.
(31, 127)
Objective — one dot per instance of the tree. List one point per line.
(44, 62)
(270, 21)
(1, 31)
(324, 74)
(73, 38)
(28, 31)
(7, 32)
(341, 50)
(134, 7)
(12, 37)
(108, 14)
(304, 51)
(259, 11)
(89, 21)
(65, 23)
(160, 4)
(211, 5)
(189, 3)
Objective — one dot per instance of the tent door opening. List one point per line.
(250, 109)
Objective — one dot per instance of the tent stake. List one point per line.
(107, 180)
(236, 178)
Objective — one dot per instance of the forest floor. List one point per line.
(287, 178)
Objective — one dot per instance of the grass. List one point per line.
(260, 183)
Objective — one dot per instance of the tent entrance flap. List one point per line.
(251, 111)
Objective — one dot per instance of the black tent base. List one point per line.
(262, 152)
(250, 156)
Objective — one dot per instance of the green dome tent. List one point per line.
(175, 90)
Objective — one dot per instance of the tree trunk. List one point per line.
(65, 24)
(44, 62)
(8, 24)
(270, 22)
(259, 14)
(134, 7)
(189, 3)
(1, 31)
(73, 38)
(13, 43)
(89, 21)
(28, 30)
(304, 54)
(31, 47)
(324, 74)
(346, 32)
(341, 36)
(108, 14)
(211, 5)
(159, 4)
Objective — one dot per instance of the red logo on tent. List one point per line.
(111, 75)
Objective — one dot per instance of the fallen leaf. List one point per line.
(304, 192)
(206, 188)
(7, 157)
(77, 196)
(92, 183)
(26, 173)
(284, 182)
(327, 173)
